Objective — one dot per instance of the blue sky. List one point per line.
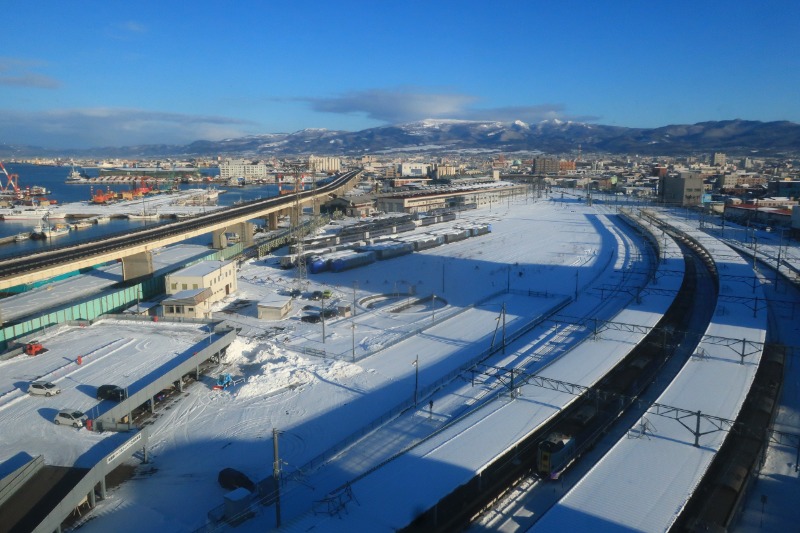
(87, 74)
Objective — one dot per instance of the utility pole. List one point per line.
(778, 260)
(433, 309)
(353, 328)
(322, 315)
(504, 327)
(299, 233)
(416, 378)
(276, 475)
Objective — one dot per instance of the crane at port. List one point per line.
(12, 183)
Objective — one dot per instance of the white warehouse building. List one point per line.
(324, 164)
(241, 168)
(414, 169)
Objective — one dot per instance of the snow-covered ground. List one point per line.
(547, 252)
(550, 248)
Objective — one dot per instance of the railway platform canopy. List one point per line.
(648, 476)
(453, 444)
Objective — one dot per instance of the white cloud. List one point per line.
(409, 104)
(21, 73)
(97, 127)
(392, 106)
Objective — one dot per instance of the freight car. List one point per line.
(352, 261)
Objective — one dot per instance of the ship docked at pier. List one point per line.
(137, 175)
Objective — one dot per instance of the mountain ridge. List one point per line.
(734, 136)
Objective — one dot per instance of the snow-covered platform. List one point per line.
(644, 482)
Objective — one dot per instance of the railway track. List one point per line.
(627, 381)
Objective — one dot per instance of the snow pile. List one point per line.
(268, 369)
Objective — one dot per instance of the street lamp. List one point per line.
(433, 309)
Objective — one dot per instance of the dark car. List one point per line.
(330, 313)
(111, 392)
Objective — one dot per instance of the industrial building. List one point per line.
(217, 276)
(275, 308)
(429, 200)
(191, 303)
(241, 168)
(324, 164)
(682, 189)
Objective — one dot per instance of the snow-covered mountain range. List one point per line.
(443, 136)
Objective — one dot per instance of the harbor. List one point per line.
(90, 212)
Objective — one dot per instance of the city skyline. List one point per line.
(149, 73)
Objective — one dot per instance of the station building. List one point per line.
(191, 303)
(219, 277)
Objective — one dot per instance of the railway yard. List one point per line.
(575, 366)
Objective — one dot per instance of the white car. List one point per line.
(69, 416)
(43, 388)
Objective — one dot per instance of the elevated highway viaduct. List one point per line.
(134, 247)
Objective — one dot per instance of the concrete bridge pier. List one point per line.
(243, 229)
(272, 221)
(218, 239)
(137, 265)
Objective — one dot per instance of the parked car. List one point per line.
(316, 295)
(70, 417)
(111, 392)
(43, 388)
